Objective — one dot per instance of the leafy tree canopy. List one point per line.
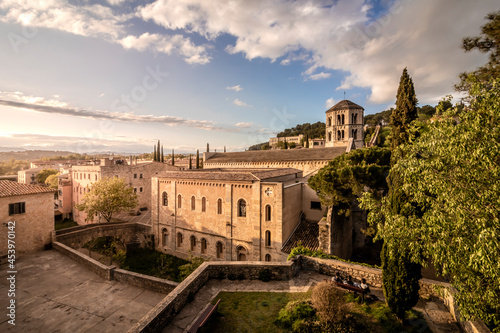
(52, 181)
(453, 170)
(347, 176)
(41, 177)
(313, 131)
(106, 197)
(488, 42)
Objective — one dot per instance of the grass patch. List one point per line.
(240, 312)
(154, 263)
(249, 312)
(65, 224)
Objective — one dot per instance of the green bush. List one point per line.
(294, 311)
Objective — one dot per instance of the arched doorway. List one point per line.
(241, 253)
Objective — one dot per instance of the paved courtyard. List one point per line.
(56, 294)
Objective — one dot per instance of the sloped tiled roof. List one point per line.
(9, 188)
(345, 104)
(307, 234)
(279, 155)
(229, 174)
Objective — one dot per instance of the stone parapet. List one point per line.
(144, 281)
(95, 266)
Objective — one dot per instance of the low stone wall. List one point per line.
(76, 237)
(92, 264)
(144, 281)
(161, 315)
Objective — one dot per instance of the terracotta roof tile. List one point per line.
(345, 104)
(230, 174)
(9, 188)
(280, 155)
(307, 234)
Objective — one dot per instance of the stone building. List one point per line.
(230, 214)
(30, 208)
(344, 121)
(29, 176)
(64, 201)
(137, 176)
(307, 160)
(273, 142)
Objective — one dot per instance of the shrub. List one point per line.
(328, 302)
(294, 311)
(190, 267)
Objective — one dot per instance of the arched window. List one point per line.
(268, 212)
(343, 120)
(193, 203)
(338, 119)
(179, 239)
(192, 242)
(203, 204)
(203, 246)
(219, 206)
(165, 199)
(164, 237)
(342, 134)
(329, 121)
(329, 136)
(219, 249)
(179, 201)
(268, 238)
(268, 257)
(339, 135)
(242, 208)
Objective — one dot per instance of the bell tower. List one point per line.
(344, 121)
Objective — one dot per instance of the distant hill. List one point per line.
(424, 113)
(312, 131)
(30, 155)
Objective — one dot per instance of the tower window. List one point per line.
(242, 208)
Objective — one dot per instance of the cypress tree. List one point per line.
(158, 152)
(405, 111)
(173, 157)
(162, 157)
(399, 275)
(154, 154)
(285, 146)
(190, 162)
(197, 158)
(208, 148)
(224, 148)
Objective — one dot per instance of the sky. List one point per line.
(118, 75)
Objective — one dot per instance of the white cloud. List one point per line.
(342, 36)
(240, 103)
(243, 125)
(235, 88)
(319, 76)
(330, 102)
(39, 104)
(101, 22)
(167, 44)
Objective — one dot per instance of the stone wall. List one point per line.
(93, 265)
(144, 281)
(161, 315)
(127, 232)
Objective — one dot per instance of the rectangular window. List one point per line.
(17, 208)
(135, 175)
(140, 176)
(140, 189)
(315, 205)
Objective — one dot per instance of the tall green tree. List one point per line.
(173, 157)
(106, 197)
(158, 159)
(400, 276)
(52, 181)
(190, 162)
(162, 156)
(488, 42)
(197, 158)
(452, 169)
(154, 153)
(405, 111)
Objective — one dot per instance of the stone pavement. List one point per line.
(56, 294)
(144, 218)
(435, 313)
